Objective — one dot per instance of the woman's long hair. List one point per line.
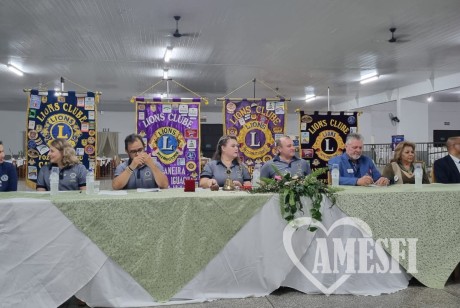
(222, 142)
(69, 158)
(399, 148)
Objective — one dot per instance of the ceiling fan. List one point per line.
(394, 119)
(396, 39)
(177, 34)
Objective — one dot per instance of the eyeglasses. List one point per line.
(138, 151)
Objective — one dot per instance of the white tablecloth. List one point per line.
(45, 260)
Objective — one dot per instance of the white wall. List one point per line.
(375, 124)
(12, 127)
(414, 120)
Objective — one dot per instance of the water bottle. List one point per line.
(256, 176)
(335, 175)
(418, 173)
(90, 182)
(54, 181)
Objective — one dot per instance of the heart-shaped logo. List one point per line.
(308, 221)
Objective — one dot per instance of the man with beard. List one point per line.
(356, 169)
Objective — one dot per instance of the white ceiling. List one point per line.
(117, 47)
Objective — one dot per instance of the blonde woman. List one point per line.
(401, 168)
(72, 174)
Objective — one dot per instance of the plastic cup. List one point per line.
(97, 186)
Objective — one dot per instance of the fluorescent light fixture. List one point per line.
(429, 99)
(369, 79)
(168, 54)
(165, 74)
(309, 98)
(15, 70)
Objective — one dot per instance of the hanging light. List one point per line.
(429, 99)
(168, 54)
(369, 79)
(310, 97)
(15, 70)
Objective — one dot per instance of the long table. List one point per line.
(144, 249)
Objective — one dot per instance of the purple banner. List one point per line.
(256, 124)
(171, 132)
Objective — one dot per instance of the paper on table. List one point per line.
(113, 192)
(148, 189)
(36, 192)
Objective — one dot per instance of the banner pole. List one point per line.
(270, 99)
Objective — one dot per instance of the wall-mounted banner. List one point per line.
(68, 115)
(256, 124)
(171, 131)
(322, 136)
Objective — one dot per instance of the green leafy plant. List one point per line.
(292, 188)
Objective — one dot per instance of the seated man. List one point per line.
(140, 171)
(285, 161)
(447, 169)
(8, 175)
(354, 168)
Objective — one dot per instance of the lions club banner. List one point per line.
(322, 136)
(256, 124)
(67, 115)
(171, 132)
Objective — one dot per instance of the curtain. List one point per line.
(101, 140)
(107, 144)
(112, 138)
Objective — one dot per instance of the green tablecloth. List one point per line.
(430, 214)
(162, 239)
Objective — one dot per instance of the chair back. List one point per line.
(433, 177)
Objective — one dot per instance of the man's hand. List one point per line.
(365, 181)
(139, 160)
(383, 181)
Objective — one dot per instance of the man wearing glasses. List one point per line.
(140, 171)
(447, 169)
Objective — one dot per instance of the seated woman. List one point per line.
(72, 174)
(225, 158)
(401, 168)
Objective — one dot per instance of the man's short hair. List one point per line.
(278, 140)
(354, 136)
(132, 138)
(1, 142)
(451, 141)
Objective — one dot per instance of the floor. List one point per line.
(416, 295)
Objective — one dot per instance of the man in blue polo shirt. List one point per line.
(285, 161)
(140, 171)
(356, 169)
(8, 175)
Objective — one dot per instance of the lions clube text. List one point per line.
(171, 117)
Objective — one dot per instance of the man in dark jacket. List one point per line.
(8, 175)
(447, 169)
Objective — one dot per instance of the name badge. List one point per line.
(350, 171)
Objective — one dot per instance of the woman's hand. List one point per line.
(237, 184)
